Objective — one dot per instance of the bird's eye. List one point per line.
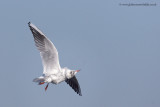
(71, 72)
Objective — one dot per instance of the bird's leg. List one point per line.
(46, 87)
(40, 83)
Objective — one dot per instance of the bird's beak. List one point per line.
(77, 70)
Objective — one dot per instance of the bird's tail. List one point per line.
(39, 79)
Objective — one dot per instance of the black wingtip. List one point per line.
(80, 94)
(29, 23)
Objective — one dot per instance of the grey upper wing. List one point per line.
(73, 82)
(48, 52)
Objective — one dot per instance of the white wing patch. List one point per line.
(48, 51)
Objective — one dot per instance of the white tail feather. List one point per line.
(39, 79)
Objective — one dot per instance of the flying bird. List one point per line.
(52, 71)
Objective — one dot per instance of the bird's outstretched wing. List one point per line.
(48, 51)
(73, 82)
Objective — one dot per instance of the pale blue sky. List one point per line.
(116, 47)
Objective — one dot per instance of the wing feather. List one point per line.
(73, 82)
(48, 51)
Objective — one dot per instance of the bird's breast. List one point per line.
(57, 78)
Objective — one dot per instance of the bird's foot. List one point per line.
(46, 87)
(40, 83)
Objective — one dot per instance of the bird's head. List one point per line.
(70, 73)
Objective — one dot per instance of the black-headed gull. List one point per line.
(52, 72)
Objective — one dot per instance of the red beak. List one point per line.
(77, 70)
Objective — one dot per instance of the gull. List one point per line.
(52, 72)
